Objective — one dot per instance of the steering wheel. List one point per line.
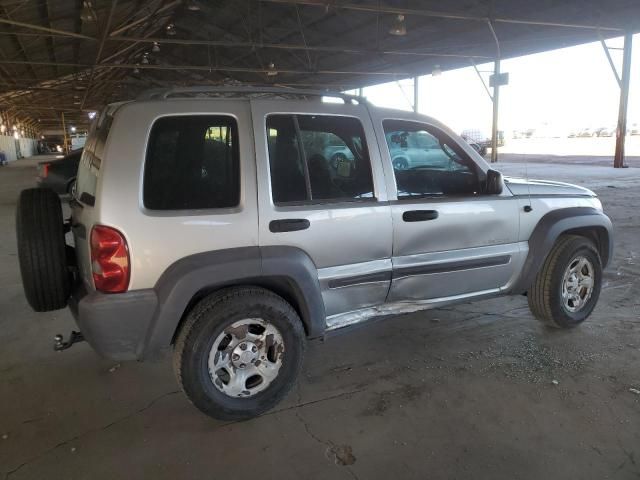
(336, 159)
(357, 148)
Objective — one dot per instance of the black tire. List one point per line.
(545, 295)
(400, 163)
(69, 187)
(206, 321)
(41, 249)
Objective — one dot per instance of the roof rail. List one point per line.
(164, 93)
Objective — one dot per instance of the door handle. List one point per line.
(288, 225)
(419, 215)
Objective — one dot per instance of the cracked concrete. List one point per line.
(459, 392)
(78, 437)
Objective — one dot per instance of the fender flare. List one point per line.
(289, 271)
(556, 223)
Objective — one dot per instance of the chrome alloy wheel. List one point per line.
(577, 284)
(246, 357)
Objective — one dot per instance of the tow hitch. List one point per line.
(59, 343)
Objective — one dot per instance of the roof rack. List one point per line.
(164, 93)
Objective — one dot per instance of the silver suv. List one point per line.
(213, 221)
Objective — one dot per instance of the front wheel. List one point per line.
(567, 288)
(239, 352)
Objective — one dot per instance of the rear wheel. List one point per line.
(239, 352)
(567, 288)
(400, 164)
(42, 251)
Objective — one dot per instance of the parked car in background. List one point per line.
(481, 150)
(480, 140)
(586, 132)
(412, 150)
(59, 174)
(605, 131)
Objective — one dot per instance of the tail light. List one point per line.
(109, 260)
(44, 171)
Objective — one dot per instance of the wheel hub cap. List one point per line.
(577, 284)
(246, 357)
(244, 354)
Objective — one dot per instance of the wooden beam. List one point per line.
(373, 8)
(208, 68)
(134, 23)
(291, 46)
(19, 44)
(45, 29)
(105, 32)
(43, 8)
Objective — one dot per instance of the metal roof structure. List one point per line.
(73, 56)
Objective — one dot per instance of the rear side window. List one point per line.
(192, 162)
(318, 158)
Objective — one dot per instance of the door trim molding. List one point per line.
(384, 276)
(391, 273)
(454, 266)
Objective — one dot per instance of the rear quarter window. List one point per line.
(91, 160)
(192, 162)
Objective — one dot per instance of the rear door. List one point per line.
(450, 238)
(321, 190)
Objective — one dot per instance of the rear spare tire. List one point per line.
(42, 250)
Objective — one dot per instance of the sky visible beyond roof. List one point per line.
(557, 91)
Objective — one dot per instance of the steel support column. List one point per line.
(416, 93)
(494, 123)
(621, 131)
(496, 96)
(64, 129)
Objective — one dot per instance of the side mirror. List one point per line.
(494, 182)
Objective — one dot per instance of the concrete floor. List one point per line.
(462, 392)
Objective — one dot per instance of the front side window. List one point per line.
(427, 162)
(192, 162)
(318, 158)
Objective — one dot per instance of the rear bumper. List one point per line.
(115, 325)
